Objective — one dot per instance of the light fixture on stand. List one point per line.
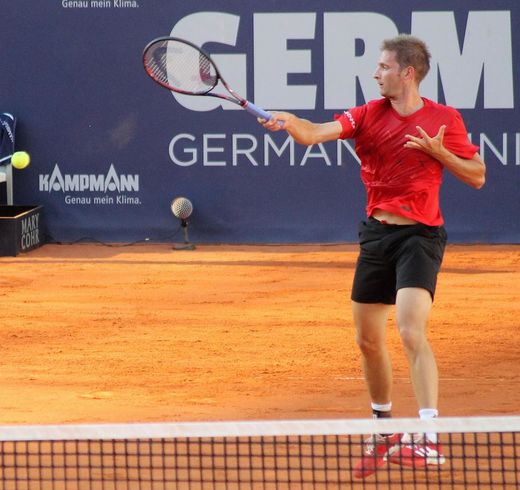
(182, 208)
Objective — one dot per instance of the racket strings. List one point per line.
(181, 67)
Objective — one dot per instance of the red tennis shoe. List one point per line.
(417, 451)
(376, 450)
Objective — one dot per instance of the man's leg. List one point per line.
(413, 307)
(370, 321)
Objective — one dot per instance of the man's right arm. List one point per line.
(303, 131)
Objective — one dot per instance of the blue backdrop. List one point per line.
(111, 149)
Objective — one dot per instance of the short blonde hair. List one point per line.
(409, 51)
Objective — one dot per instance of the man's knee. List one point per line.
(413, 338)
(370, 346)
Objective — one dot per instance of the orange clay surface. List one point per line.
(91, 333)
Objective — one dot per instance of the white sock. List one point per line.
(382, 407)
(382, 411)
(426, 414)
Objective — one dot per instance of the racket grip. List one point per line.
(256, 111)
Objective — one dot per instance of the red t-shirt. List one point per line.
(398, 179)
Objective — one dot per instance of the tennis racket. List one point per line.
(183, 67)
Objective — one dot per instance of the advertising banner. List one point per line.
(111, 149)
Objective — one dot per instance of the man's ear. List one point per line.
(409, 73)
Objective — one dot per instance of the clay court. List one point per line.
(143, 333)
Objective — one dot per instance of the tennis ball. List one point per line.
(20, 159)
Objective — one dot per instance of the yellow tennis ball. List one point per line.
(20, 159)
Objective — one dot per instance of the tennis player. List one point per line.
(404, 142)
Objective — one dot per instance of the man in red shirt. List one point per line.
(404, 142)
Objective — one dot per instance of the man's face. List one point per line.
(389, 75)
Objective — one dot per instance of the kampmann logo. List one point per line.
(109, 182)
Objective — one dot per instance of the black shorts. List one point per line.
(392, 257)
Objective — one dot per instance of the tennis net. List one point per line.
(479, 452)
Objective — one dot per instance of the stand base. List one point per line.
(184, 246)
(21, 229)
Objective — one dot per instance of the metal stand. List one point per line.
(187, 245)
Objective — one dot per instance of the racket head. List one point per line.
(180, 65)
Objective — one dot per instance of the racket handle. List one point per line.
(256, 111)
